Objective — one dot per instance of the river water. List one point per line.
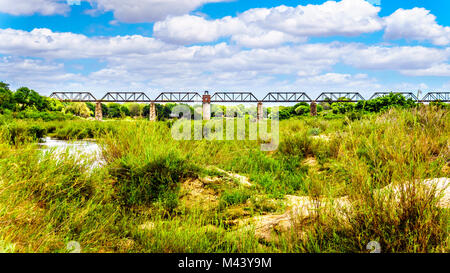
(81, 148)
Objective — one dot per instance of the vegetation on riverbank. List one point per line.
(156, 194)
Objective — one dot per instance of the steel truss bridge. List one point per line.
(238, 97)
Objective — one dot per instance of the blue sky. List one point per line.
(222, 45)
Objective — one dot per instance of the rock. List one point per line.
(243, 180)
(195, 193)
(302, 209)
(439, 186)
(265, 226)
(442, 187)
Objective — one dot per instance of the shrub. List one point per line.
(142, 183)
(385, 102)
(342, 107)
(440, 104)
(302, 110)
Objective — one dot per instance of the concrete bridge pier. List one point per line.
(98, 111)
(153, 116)
(206, 106)
(313, 109)
(260, 112)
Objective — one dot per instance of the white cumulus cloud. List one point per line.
(395, 57)
(29, 7)
(264, 27)
(48, 44)
(416, 24)
(139, 11)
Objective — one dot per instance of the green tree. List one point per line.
(385, 102)
(78, 109)
(91, 107)
(36, 100)
(26, 97)
(146, 111)
(135, 109)
(124, 111)
(4, 85)
(105, 110)
(286, 112)
(342, 107)
(302, 110)
(21, 96)
(6, 97)
(114, 110)
(163, 112)
(54, 105)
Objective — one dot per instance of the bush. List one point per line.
(142, 183)
(37, 131)
(79, 130)
(45, 116)
(342, 107)
(302, 110)
(440, 104)
(19, 132)
(384, 103)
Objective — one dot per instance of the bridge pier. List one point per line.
(98, 111)
(313, 109)
(206, 106)
(153, 116)
(260, 112)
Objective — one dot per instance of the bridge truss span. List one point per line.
(73, 96)
(407, 95)
(339, 97)
(437, 96)
(125, 97)
(287, 97)
(182, 97)
(241, 97)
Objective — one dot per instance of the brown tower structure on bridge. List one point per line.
(206, 106)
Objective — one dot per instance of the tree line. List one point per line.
(27, 103)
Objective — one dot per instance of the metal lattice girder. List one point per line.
(407, 95)
(234, 97)
(125, 97)
(287, 97)
(340, 97)
(437, 96)
(185, 97)
(73, 96)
